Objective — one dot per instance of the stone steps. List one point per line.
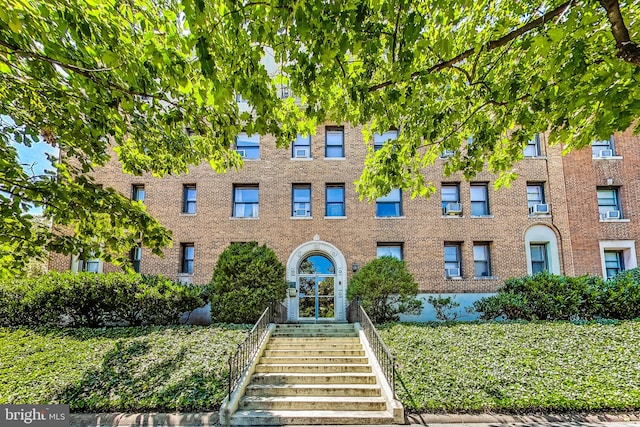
(296, 334)
(278, 339)
(312, 353)
(308, 359)
(317, 368)
(309, 418)
(313, 403)
(311, 375)
(325, 389)
(322, 378)
(315, 346)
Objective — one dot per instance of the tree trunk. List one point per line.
(628, 50)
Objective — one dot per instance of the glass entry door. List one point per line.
(316, 288)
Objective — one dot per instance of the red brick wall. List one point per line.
(422, 230)
(582, 175)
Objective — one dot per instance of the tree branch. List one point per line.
(85, 72)
(628, 50)
(491, 45)
(33, 55)
(344, 73)
(395, 34)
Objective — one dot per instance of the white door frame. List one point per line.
(320, 247)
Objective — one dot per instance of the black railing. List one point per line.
(241, 360)
(355, 313)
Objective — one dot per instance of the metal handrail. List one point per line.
(241, 360)
(355, 313)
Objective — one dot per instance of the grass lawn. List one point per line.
(478, 367)
(517, 367)
(118, 369)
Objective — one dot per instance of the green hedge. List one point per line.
(247, 277)
(546, 296)
(386, 289)
(620, 296)
(88, 299)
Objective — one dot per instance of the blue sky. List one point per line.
(34, 161)
(34, 157)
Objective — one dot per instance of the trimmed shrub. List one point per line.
(162, 300)
(386, 289)
(544, 296)
(444, 307)
(620, 296)
(247, 277)
(507, 305)
(88, 299)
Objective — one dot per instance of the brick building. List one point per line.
(572, 215)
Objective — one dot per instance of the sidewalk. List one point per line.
(210, 419)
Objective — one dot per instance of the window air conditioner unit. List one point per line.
(301, 153)
(612, 215)
(300, 212)
(605, 153)
(242, 153)
(452, 272)
(453, 209)
(446, 153)
(539, 209)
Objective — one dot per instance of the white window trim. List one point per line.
(607, 158)
(615, 220)
(628, 248)
(76, 261)
(390, 217)
(541, 234)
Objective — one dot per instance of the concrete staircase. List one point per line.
(310, 375)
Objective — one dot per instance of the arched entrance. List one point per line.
(316, 288)
(317, 277)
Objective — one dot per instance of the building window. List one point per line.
(389, 249)
(379, 139)
(617, 256)
(187, 256)
(614, 262)
(335, 200)
(245, 201)
(535, 194)
(533, 147)
(539, 260)
(479, 199)
(135, 258)
(301, 196)
(302, 147)
(189, 199)
(481, 260)
(452, 260)
(248, 146)
(91, 265)
(334, 142)
(602, 148)
(389, 205)
(609, 203)
(451, 199)
(137, 192)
